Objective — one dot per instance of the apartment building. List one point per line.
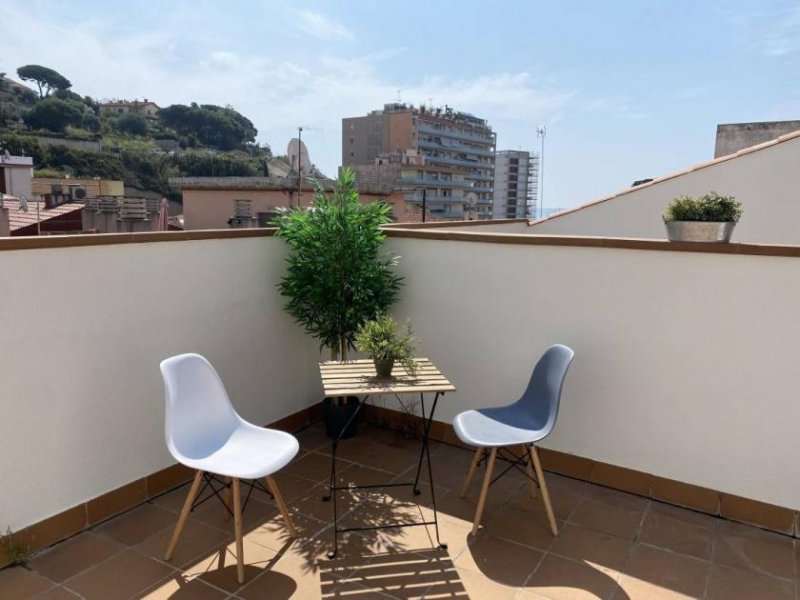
(452, 152)
(516, 182)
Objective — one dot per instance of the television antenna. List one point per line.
(541, 131)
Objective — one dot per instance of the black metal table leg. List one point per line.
(332, 483)
(426, 452)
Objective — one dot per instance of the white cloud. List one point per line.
(321, 27)
(271, 83)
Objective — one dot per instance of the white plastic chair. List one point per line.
(205, 433)
(524, 422)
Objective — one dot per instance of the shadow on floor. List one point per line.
(401, 575)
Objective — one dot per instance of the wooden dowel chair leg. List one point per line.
(226, 497)
(471, 473)
(548, 507)
(237, 525)
(487, 480)
(531, 476)
(187, 508)
(287, 519)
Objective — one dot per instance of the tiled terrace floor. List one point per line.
(611, 544)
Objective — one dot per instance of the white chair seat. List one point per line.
(497, 427)
(249, 453)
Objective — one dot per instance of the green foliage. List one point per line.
(382, 338)
(337, 276)
(709, 207)
(16, 550)
(54, 115)
(10, 112)
(46, 79)
(215, 126)
(228, 164)
(131, 123)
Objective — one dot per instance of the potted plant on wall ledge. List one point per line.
(387, 343)
(709, 218)
(338, 277)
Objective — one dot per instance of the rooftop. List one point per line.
(672, 465)
(611, 545)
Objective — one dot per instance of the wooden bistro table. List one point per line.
(357, 378)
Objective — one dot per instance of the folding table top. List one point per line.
(358, 378)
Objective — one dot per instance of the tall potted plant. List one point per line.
(338, 275)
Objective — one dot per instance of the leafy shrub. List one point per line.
(337, 276)
(709, 207)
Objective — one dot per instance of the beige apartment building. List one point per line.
(456, 151)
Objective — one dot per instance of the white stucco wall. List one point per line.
(84, 330)
(686, 363)
(765, 181)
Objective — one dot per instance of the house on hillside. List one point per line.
(145, 107)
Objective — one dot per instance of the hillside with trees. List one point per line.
(49, 120)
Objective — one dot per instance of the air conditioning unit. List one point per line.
(77, 192)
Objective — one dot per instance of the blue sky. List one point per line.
(627, 90)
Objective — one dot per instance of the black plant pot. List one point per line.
(337, 414)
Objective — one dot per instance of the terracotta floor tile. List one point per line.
(19, 582)
(74, 555)
(479, 586)
(499, 560)
(315, 507)
(576, 487)
(591, 546)
(122, 576)
(564, 503)
(759, 551)
(178, 588)
(197, 539)
(312, 438)
(274, 535)
(406, 575)
(454, 508)
(621, 520)
(213, 513)
(666, 569)
(173, 500)
(564, 579)
(631, 588)
(727, 583)
(218, 569)
(527, 528)
(679, 530)
(315, 467)
(290, 486)
(58, 593)
(616, 497)
(136, 525)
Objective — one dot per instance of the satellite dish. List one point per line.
(472, 200)
(297, 149)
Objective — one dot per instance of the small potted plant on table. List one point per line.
(709, 218)
(387, 343)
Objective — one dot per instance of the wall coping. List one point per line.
(428, 231)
